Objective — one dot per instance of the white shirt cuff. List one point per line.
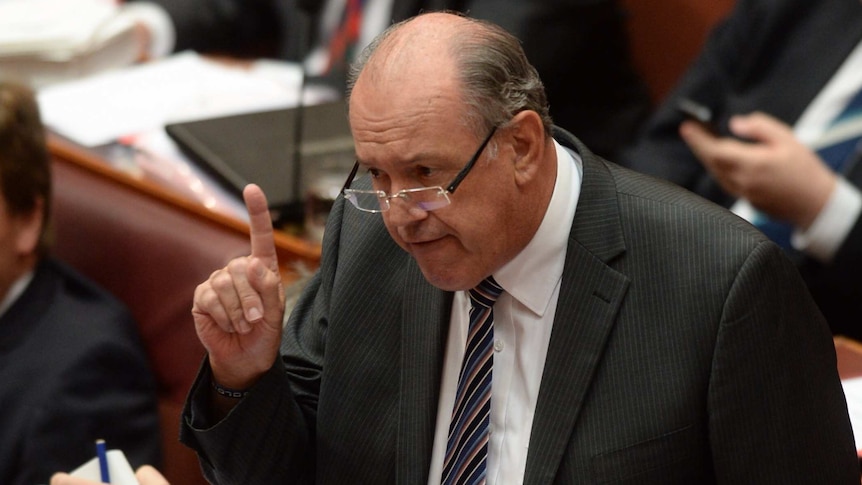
(157, 21)
(829, 230)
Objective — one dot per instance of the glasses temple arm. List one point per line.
(463, 173)
(350, 177)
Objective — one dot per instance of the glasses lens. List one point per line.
(367, 200)
(427, 199)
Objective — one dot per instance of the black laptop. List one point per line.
(261, 148)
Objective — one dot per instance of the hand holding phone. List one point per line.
(698, 113)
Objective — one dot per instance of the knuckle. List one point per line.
(238, 265)
(248, 300)
(205, 298)
(235, 315)
(222, 282)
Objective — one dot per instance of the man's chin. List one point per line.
(444, 277)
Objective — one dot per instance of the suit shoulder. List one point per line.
(82, 298)
(650, 195)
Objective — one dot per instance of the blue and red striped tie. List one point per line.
(467, 446)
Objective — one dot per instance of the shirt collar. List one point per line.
(15, 291)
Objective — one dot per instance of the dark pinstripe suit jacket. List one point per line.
(685, 350)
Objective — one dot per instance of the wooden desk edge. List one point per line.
(291, 250)
(849, 356)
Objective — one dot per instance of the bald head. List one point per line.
(413, 65)
(432, 53)
(416, 43)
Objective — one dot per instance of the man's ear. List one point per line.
(529, 144)
(29, 228)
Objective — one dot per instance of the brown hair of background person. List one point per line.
(25, 174)
(60, 330)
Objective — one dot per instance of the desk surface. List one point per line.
(849, 353)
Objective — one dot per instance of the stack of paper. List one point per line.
(46, 41)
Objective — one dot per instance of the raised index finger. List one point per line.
(260, 222)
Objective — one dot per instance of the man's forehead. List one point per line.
(402, 92)
(420, 48)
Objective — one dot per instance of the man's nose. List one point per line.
(403, 211)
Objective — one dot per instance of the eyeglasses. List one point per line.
(425, 198)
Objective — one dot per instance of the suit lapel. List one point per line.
(425, 323)
(590, 296)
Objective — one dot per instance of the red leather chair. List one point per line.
(666, 36)
(150, 250)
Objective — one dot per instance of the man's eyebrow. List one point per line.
(415, 160)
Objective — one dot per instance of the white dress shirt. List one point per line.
(831, 227)
(523, 318)
(15, 291)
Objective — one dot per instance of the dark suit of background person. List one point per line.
(684, 348)
(564, 40)
(772, 56)
(71, 362)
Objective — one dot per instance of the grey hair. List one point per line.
(497, 79)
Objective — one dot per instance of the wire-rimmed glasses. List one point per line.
(425, 198)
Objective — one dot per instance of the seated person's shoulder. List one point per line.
(83, 305)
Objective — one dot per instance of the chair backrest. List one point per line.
(151, 254)
(667, 35)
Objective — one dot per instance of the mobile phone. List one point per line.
(698, 113)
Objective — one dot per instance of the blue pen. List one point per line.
(102, 453)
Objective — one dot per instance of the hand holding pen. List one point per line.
(146, 475)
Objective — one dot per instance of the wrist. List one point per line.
(240, 376)
(227, 391)
(821, 191)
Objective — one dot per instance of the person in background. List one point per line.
(783, 84)
(496, 304)
(73, 366)
(580, 47)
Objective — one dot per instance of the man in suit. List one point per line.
(71, 361)
(774, 74)
(643, 335)
(561, 38)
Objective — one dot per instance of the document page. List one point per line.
(100, 109)
(853, 394)
(120, 470)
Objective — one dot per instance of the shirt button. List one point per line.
(499, 345)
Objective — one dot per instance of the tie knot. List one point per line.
(486, 293)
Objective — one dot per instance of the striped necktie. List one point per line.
(467, 446)
(839, 144)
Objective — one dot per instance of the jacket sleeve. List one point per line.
(796, 428)
(270, 434)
